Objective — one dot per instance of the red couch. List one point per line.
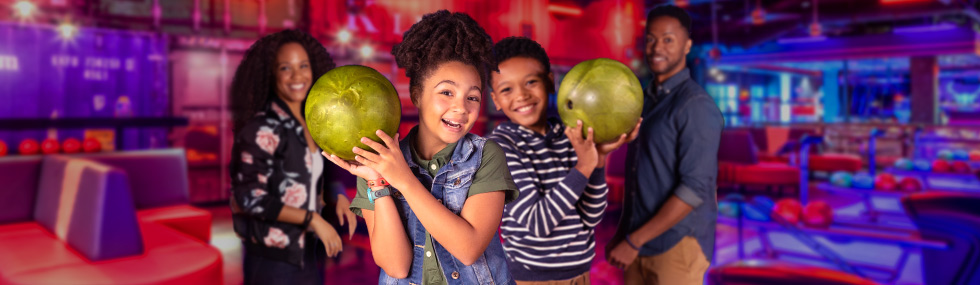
(75, 221)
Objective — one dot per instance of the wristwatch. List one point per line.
(373, 195)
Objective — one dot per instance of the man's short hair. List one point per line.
(673, 12)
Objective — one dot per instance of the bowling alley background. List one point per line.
(851, 153)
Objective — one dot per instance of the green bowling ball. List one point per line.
(350, 102)
(904, 164)
(945, 154)
(841, 179)
(604, 94)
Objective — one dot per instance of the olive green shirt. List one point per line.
(492, 175)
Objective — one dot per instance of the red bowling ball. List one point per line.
(886, 181)
(3, 148)
(28, 147)
(961, 167)
(49, 146)
(91, 145)
(909, 184)
(71, 145)
(975, 155)
(788, 209)
(941, 165)
(818, 214)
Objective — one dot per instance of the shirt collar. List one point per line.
(554, 128)
(438, 160)
(281, 109)
(662, 90)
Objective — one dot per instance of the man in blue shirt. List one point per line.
(666, 234)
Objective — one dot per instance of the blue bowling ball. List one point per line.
(733, 197)
(904, 164)
(841, 179)
(863, 181)
(961, 154)
(759, 209)
(923, 165)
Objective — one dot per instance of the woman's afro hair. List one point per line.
(441, 37)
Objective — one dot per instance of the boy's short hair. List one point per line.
(511, 47)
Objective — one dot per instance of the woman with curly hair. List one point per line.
(433, 201)
(276, 174)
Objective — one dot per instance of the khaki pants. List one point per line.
(577, 280)
(683, 264)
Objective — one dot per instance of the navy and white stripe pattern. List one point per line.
(551, 227)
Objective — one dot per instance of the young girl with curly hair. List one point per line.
(436, 223)
(275, 170)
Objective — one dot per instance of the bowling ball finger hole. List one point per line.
(569, 104)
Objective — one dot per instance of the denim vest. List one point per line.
(450, 186)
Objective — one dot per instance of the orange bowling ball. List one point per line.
(975, 155)
(886, 181)
(941, 165)
(961, 167)
(818, 214)
(909, 184)
(71, 145)
(91, 145)
(788, 209)
(29, 147)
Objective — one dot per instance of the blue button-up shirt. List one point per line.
(676, 154)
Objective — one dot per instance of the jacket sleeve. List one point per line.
(252, 164)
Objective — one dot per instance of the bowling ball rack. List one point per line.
(871, 214)
(907, 241)
(839, 232)
(119, 124)
(942, 181)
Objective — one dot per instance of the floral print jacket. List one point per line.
(271, 167)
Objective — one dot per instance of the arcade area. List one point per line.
(850, 154)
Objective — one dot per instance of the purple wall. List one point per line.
(97, 73)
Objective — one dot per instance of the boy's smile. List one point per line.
(521, 90)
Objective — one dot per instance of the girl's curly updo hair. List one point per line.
(254, 84)
(438, 38)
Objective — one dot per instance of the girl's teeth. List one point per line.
(451, 124)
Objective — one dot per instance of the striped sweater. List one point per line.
(549, 232)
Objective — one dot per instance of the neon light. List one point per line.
(732, 98)
(344, 36)
(784, 94)
(565, 10)
(756, 105)
(802, 40)
(67, 30)
(919, 29)
(9, 63)
(902, 1)
(25, 9)
(962, 98)
(367, 51)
